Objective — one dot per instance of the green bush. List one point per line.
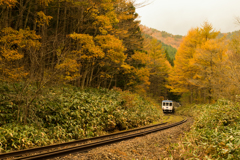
(215, 133)
(67, 113)
(16, 136)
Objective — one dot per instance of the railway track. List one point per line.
(62, 149)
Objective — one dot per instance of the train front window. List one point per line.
(170, 104)
(163, 103)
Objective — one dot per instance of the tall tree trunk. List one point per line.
(25, 111)
(10, 18)
(209, 79)
(79, 79)
(87, 81)
(115, 80)
(91, 76)
(110, 83)
(84, 77)
(191, 96)
(56, 37)
(6, 21)
(35, 16)
(19, 23)
(65, 20)
(3, 20)
(57, 21)
(29, 9)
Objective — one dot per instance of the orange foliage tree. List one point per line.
(87, 43)
(197, 62)
(15, 48)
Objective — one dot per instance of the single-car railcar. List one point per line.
(169, 105)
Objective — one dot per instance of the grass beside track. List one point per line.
(172, 118)
(215, 133)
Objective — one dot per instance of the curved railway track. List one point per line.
(62, 149)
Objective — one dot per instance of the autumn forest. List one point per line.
(67, 68)
(100, 44)
(83, 43)
(72, 69)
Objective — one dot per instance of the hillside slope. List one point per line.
(174, 40)
(169, 50)
(167, 38)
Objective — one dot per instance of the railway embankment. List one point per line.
(212, 132)
(79, 146)
(150, 146)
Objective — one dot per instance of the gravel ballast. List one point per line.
(152, 146)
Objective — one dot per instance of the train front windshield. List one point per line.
(167, 104)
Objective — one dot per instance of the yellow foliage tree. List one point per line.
(114, 58)
(8, 3)
(159, 68)
(104, 52)
(138, 73)
(184, 78)
(151, 69)
(13, 47)
(229, 71)
(208, 60)
(182, 70)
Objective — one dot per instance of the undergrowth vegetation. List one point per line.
(67, 113)
(215, 133)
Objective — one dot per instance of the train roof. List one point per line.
(167, 101)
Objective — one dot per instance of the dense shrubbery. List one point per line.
(67, 113)
(214, 135)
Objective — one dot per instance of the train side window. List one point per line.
(170, 104)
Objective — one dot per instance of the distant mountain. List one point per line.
(169, 50)
(166, 38)
(170, 42)
(228, 34)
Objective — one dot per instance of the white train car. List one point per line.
(169, 105)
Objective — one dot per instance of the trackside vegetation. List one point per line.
(215, 133)
(67, 113)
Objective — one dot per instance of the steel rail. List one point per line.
(49, 147)
(89, 146)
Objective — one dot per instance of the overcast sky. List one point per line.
(178, 16)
